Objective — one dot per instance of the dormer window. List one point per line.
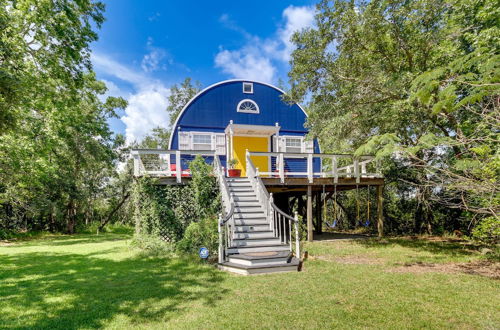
(247, 88)
(248, 106)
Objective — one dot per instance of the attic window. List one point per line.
(248, 106)
(247, 88)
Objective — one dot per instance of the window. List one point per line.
(248, 106)
(247, 88)
(202, 141)
(293, 145)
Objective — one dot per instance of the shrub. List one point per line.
(487, 231)
(200, 234)
(153, 246)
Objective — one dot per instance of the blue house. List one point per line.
(247, 125)
(233, 116)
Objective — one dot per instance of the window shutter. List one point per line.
(275, 143)
(184, 140)
(282, 144)
(309, 146)
(220, 144)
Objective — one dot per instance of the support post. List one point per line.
(178, 166)
(310, 170)
(309, 214)
(319, 213)
(335, 172)
(221, 246)
(380, 211)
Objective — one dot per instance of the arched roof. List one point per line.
(198, 96)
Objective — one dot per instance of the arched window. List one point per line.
(248, 106)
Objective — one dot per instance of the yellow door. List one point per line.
(242, 143)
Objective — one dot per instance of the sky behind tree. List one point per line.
(146, 47)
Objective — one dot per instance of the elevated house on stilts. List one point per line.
(247, 125)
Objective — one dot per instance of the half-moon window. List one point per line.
(248, 106)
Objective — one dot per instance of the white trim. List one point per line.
(221, 83)
(248, 84)
(248, 111)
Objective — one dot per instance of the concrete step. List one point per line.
(263, 248)
(256, 241)
(237, 179)
(292, 266)
(254, 234)
(261, 258)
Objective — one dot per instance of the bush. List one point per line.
(487, 231)
(200, 234)
(153, 246)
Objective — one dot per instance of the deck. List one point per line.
(316, 176)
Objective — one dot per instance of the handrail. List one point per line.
(283, 213)
(226, 224)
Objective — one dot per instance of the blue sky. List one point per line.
(145, 47)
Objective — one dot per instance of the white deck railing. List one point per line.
(330, 165)
(158, 162)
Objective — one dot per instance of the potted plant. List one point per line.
(232, 171)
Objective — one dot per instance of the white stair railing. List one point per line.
(279, 222)
(226, 225)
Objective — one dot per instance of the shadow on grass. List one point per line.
(69, 291)
(447, 248)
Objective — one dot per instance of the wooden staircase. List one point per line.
(254, 246)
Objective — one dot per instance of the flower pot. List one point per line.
(234, 173)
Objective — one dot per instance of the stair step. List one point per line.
(251, 212)
(241, 190)
(239, 184)
(292, 266)
(250, 203)
(250, 216)
(252, 222)
(256, 242)
(276, 258)
(251, 228)
(245, 198)
(263, 248)
(254, 234)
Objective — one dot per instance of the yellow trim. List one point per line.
(252, 143)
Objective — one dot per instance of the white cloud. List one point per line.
(146, 105)
(154, 60)
(297, 19)
(246, 63)
(257, 59)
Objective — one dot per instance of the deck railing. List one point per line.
(319, 165)
(158, 162)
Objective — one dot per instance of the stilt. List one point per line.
(380, 211)
(309, 214)
(319, 214)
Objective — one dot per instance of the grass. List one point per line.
(90, 281)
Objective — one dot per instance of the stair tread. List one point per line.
(279, 254)
(260, 246)
(292, 263)
(254, 238)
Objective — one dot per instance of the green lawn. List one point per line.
(89, 281)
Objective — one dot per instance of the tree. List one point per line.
(56, 149)
(180, 96)
(400, 78)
